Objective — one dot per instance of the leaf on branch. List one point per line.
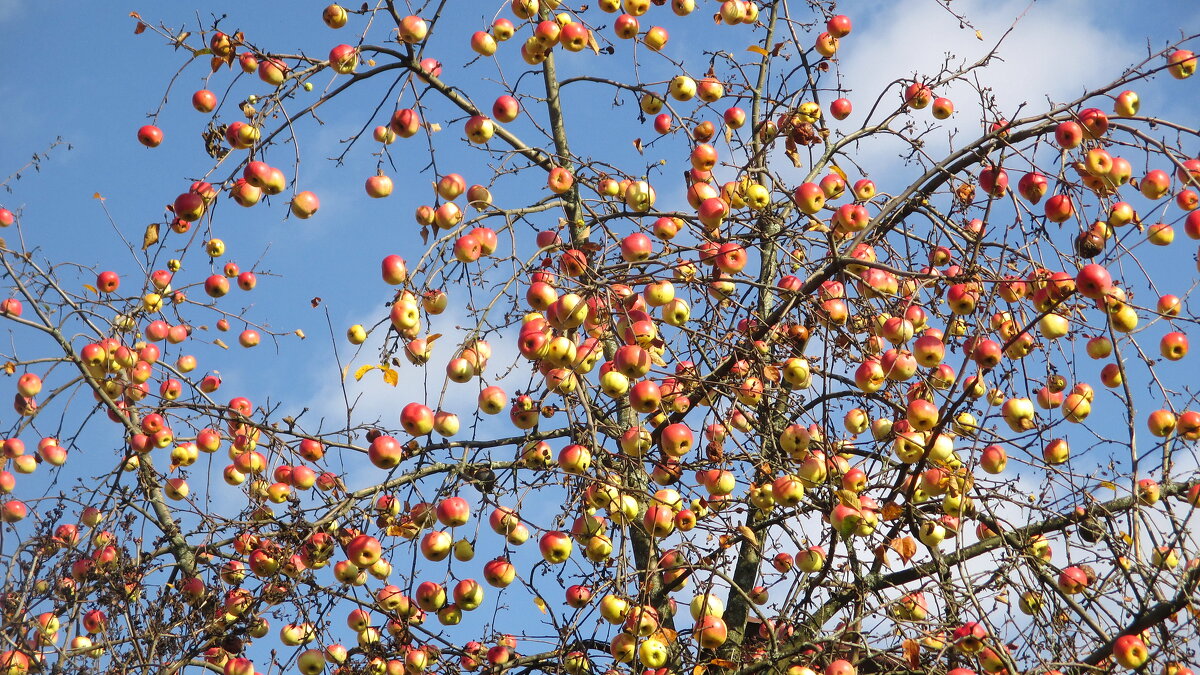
(592, 42)
(838, 170)
(541, 604)
(912, 652)
(905, 547)
(91, 288)
(9, 367)
(299, 333)
(699, 669)
(722, 663)
(315, 302)
(637, 145)
(135, 15)
(979, 34)
(220, 344)
(345, 371)
(881, 553)
(849, 498)
(139, 28)
(150, 238)
(1108, 484)
(748, 534)
(757, 50)
(362, 370)
(434, 127)
(390, 375)
(97, 195)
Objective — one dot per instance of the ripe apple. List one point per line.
(305, 204)
(1181, 64)
(1129, 650)
(378, 186)
(942, 108)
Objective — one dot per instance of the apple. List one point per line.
(479, 129)
(1126, 104)
(499, 572)
(1181, 63)
(1173, 346)
(150, 136)
(942, 108)
(826, 45)
(918, 96)
(405, 122)
(1068, 135)
(305, 204)
(378, 186)
(1129, 650)
(335, 16)
(555, 547)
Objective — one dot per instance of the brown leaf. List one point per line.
(892, 511)
(637, 145)
(218, 342)
(905, 546)
(748, 534)
(97, 195)
(912, 651)
(722, 663)
(592, 42)
(9, 367)
(881, 553)
(135, 15)
(315, 302)
(150, 238)
(139, 28)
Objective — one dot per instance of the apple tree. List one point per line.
(683, 352)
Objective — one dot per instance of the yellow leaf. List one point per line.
(345, 371)
(1108, 484)
(592, 42)
(220, 344)
(979, 34)
(362, 370)
(757, 50)
(838, 170)
(96, 195)
(299, 333)
(434, 127)
(541, 604)
(722, 663)
(699, 669)
(390, 375)
(150, 238)
(748, 534)
(91, 288)
(371, 62)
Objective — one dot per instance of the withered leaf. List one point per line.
(150, 238)
(315, 302)
(912, 651)
(905, 546)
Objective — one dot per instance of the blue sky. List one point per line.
(81, 73)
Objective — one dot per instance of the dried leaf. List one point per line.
(757, 50)
(881, 553)
(362, 370)
(905, 547)
(315, 302)
(722, 663)
(150, 238)
(748, 534)
(220, 344)
(434, 127)
(838, 170)
(91, 288)
(1108, 484)
(541, 604)
(390, 375)
(699, 669)
(912, 651)
(96, 195)
(371, 62)
(849, 498)
(637, 145)
(215, 63)
(299, 333)
(139, 28)
(979, 34)
(9, 367)
(592, 42)
(135, 15)
(345, 371)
